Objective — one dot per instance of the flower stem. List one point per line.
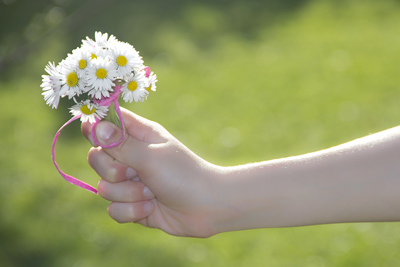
(112, 116)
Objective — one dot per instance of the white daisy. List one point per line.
(134, 88)
(88, 42)
(51, 85)
(52, 69)
(124, 58)
(99, 39)
(94, 51)
(72, 83)
(89, 111)
(52, 98)
(79, 60)
(99, 77)
(152, 82)
(101, 42)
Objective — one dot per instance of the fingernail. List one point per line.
(104, 131)
(148, 207)
(130, 173)
(147, 193)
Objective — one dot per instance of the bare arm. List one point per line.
(154, 180)
(358, 181)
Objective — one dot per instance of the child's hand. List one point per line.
(152, 178)
(156, 181)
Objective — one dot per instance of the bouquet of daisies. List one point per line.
(96, 69)
(98, 73)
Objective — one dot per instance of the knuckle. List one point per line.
(111, 175)
(156, 125)
(130, 213)
(134, 190)
(163, 150)
(125, 145)
(128, 150)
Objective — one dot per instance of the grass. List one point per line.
(325, 74)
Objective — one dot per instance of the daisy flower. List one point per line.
(152, 82)
(53, 71)
(99, 77)
(89, 111)
(94, 51)
(134, 88)
(51, 85)
(72, 84)
(79, 60)
(124, 58)
(101, 41)
(52, 97)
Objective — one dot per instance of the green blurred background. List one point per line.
(239, 82)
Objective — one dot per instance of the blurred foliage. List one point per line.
(239, 81)
(33, 21)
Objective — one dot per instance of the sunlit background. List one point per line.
(239, 81)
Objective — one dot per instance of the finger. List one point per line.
(108, 168)
(133, 150)
(136, 179)
(132, 174)
(130, 151)
(143, 129)
(126, 191)
(130, 212)
(135, 125)
(86, 128)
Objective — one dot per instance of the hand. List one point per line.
(156, 181)
(153, 179)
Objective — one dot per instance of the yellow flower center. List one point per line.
(149, 88)
(132, 86)
(85, 110)
(82, 64)
(72, 79)
(93, 56)
(121, 60)
(101, 73)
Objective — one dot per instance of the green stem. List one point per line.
(112, 116)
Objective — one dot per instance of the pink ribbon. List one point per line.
(148, 71)
(67, 177)
(104, 102)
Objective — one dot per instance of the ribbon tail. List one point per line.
(67, 177)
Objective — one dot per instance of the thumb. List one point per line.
(135, 126)
(107, 133)
(134, 148)
(130, 151)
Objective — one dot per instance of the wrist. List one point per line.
(262, 195)
(247, 197)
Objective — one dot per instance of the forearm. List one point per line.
(357, 181)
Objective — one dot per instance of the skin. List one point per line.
(153, 179)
